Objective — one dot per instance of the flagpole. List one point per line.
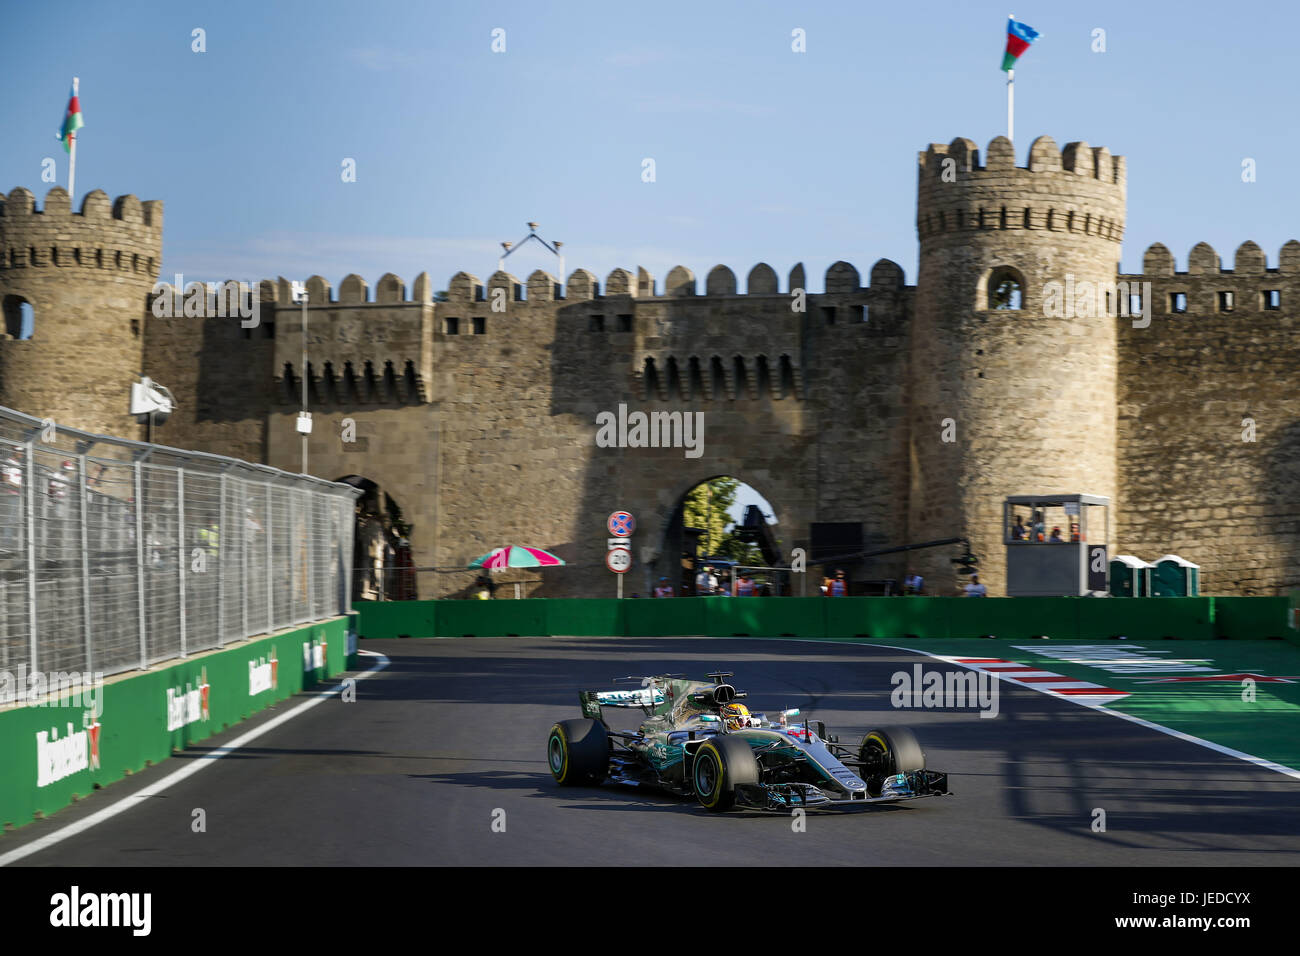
(1011, 105)
(72, 154)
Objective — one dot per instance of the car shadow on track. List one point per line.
(614, 796)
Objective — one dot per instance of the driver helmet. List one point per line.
(737, 716)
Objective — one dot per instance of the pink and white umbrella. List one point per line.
(516, 556)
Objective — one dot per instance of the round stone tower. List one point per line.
(1013, 358)
(74, 288)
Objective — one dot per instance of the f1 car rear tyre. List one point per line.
(577, 752)
(722, 763)
(887, 752)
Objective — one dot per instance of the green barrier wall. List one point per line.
(1061, 619)
(1246, 618)
(133, 724)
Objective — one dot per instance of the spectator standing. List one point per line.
(975, 589)
(912, 583)
(664, 590)
(1018, 530)
(839, 586)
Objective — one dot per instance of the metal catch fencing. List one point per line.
(117, 554)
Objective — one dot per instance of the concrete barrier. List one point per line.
(1060, 619)
(55, 750)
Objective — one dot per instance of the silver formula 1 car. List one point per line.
(699, 739)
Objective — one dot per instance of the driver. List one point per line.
(736, 716)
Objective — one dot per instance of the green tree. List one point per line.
(706, 508)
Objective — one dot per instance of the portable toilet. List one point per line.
(1175, 577)
(1130, 576)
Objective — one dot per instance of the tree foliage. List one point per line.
(719, 539)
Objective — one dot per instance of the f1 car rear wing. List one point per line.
(593, 700)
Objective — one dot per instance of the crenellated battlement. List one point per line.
(1079, 190)
(1249, 259)
(841, 278)
(123, 235)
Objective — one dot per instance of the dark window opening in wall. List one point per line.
(135, 328)
(54, 256)
(451, 325)
(1225, 301)
(625, 323)
(787, 376)
(268, 330)
(135, 263)
(31, 256)
(1273, 299)
(1028, 223)
(20, 317)
(1178, 302)
(1005, 290)
(595, 323)
(1110, 302)
(861, 313)
(117, 259)
(76, 255)
(1069, 221)
(1002, 220)
(828, 313)
(99, 258)
(480, 324)
(981, 219)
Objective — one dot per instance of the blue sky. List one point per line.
(762, 154)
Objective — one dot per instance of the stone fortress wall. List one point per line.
(481, 423)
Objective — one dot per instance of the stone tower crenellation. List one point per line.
(1019, 399)
(86, 276)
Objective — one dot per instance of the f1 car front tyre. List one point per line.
(722, 763)
(886, 752)
(577, 752)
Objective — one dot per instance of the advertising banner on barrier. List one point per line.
(61, 748)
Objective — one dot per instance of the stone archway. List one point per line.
(382, 568)
(678, 549)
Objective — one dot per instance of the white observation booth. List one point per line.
(1056, 545)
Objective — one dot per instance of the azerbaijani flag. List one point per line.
(72, 120)
(1019, 36)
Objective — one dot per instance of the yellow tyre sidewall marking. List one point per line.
(717, 785)
(558, 731)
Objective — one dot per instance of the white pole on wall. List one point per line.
(1011, 105)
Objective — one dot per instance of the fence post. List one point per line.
(243, 562)
(29, 481)
(223, 534)
(85, 567)
(270, 574)
(309, 520)
(139, 563)
(181, 557)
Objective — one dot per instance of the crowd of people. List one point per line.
(1035, 530)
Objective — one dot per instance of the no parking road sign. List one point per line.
(621, 524)
(618, 560)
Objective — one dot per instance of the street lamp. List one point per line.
(552, 247)
(304, 416)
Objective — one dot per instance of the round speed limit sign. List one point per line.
(618, 560)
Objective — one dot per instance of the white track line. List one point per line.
(1101, 708)
(200, 762)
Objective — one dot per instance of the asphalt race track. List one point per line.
(453, 732)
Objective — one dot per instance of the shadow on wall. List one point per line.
(1284, 490)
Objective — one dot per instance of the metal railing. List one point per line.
(117, 554)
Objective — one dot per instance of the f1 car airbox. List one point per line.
(724, 693)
